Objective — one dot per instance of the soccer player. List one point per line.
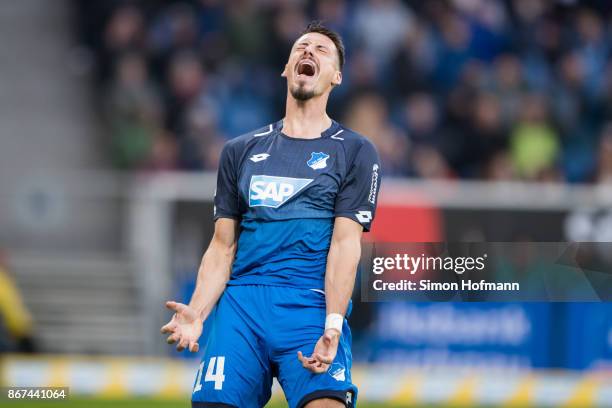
(275, 283)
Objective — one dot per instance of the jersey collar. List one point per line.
(334, 127)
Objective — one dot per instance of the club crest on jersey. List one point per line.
(337, 371)
(271, 191)
(318, 160)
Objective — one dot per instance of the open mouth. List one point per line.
(306, 67)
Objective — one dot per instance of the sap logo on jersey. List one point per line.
(318, 160)
(271, 191)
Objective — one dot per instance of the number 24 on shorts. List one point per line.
(212, 373)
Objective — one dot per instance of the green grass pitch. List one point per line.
(136, 403)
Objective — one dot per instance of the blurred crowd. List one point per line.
(476, 89)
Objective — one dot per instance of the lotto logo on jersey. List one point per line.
(271, 191)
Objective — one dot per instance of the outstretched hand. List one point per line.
(184, 328)
(324, 352)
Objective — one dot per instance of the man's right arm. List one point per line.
(215, 267)
(185, 327)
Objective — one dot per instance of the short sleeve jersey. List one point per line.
(286, 193)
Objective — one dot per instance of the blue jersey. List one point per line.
(286, 192)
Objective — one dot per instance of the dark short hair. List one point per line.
(318, 27)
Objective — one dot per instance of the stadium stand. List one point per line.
(449, 89)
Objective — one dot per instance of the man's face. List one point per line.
(313, 67)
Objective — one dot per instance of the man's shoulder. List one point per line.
(352, 140)
(242, 141)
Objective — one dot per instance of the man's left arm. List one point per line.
(342, 261)
(355, 210)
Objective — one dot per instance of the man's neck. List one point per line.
(306, 119)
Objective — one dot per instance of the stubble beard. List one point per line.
(300, 93)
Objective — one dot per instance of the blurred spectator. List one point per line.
(368, 115)
(484, 140)
(186, 81)
(569, 102)
(287, 26)
(176, 29)
(202, 142)
(134, 112)
(473, 89)
(245, 28)
(370, 16)
(422, 121)
(361, 73)
(164, 152)
(534, 143)
(500, 167)
(14, 316)
(125, 31)
(604, 167)
(453, 52)
(509, 85)
(593, 48)
(429, 163)
(413, 61)
(335, 13)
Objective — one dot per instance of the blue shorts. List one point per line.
(253, 335)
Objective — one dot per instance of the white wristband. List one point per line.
(334, 321)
